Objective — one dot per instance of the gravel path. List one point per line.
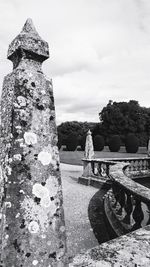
(80, 235)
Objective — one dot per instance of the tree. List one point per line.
(74, 127)
(59, 143)
(82, 142)
(71, 142)
(98, 130)
(122, 118)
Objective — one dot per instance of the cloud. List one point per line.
(99, 50)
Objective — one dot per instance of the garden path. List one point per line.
(76, 197)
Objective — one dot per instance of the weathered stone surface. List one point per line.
(118, 176)
(128, 250)
(88, 154)
(28, 44)
(89, 150)
(32, 220)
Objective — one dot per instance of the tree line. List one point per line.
(121, 119)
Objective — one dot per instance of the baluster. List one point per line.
(103, 169)
(100, 168)
(139, 166)
(143, 165)
(115, 190)
(96, 169)
(129, 167)
(107, 169)
(128, 209)
(147, 164)
(137, 214)
(140, 163)
(121, 201)
(136, 165)
(98, 173)
(148, 205)
(93, 167)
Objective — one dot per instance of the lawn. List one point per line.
(74, 157)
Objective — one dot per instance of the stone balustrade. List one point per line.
(127, 203)
(97, 170)
(127, 208)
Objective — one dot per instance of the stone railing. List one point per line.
(127, 203)
(97, 170)
(127, 208)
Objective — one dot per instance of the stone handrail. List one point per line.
(128, 250)
(117, 175)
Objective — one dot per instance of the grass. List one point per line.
(74, 157)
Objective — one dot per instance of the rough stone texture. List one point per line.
(89, 150)
(30, 43)
(128, 250)
(32, 220)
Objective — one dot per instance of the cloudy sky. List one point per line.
(99, 50)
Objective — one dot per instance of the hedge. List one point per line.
(131, 143)
(71, 142)
(114, 143)
(98, 143)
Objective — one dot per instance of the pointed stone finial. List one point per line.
(28, 44)
(89, 132)
(29, 27)
(89, 150)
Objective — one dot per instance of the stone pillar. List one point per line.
(89, 150)
(88, 155)
(32, 219)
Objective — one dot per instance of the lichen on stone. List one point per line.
(33, 227)
(40, 191)
(17, 157)
(30, 138)
(35, 262)
(21, 101)
(45, 157)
